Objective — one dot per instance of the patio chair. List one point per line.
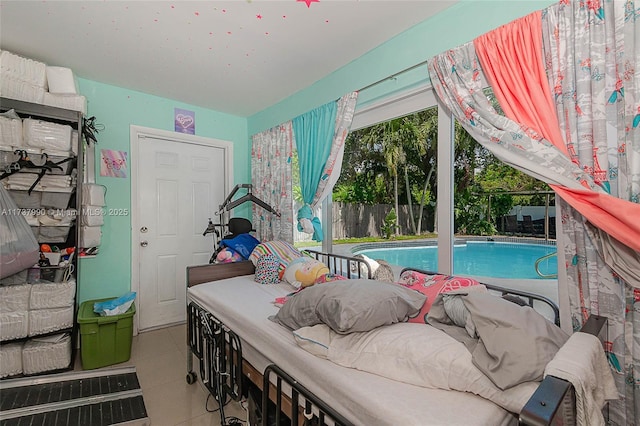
(511, 224)
(527, 224)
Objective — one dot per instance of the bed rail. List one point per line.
(219, 352)
(315, 411)
(200, 274)
(347, 266)
(522, 297)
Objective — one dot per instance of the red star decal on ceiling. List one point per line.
(308, 2)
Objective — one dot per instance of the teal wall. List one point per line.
(109, 273)
(457, 25)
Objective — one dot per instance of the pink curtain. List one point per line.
(512, 59)
(569, 73)
(523, 92)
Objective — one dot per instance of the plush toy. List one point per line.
(373, 266)
(227, 255)
(303, 271)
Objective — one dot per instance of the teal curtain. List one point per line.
(314, 133)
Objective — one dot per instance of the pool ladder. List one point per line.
(537, 265)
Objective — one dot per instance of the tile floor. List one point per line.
(160, 358)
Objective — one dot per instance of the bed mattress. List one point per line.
(363, 398)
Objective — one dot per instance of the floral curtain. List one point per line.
(271, 154)
(333, 165)
(592, 53)
(591, 119)
(319, 136)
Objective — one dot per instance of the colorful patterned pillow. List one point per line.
(267, 270)
(431, 286)
(284, 251)
(456, 283)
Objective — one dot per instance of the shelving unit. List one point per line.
(41, 316)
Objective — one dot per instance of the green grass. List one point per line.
(369, 240)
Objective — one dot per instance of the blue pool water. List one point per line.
(487, 259)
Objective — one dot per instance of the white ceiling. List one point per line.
(237, 57)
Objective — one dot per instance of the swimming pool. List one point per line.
(480, 258)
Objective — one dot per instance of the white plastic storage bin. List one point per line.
(66, 160)
(26, 181)
(39, 157)
(54, 199)
(46, 320)
(10, 359)
(46, 135)
(14, 325)
(51, 234)
(54, 295)
(14, 298)
(49, 217)
(15, 279)
(46, 354)
(54, 258)
(10, 132)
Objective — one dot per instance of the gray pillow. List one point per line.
(348, 306)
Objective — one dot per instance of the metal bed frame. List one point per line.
(315, 411)
(219, 352)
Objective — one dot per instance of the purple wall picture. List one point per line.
(185, 121)
(113, 163)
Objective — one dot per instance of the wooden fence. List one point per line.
(364, 220)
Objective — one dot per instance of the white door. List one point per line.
(180, 185)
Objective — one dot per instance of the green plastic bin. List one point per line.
(104, 340)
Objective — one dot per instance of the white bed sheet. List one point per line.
(363, 398)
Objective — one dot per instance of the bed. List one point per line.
(235, 343)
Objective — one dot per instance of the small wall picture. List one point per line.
(113, 163)
(185, 121)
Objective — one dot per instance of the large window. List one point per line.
(392, 188)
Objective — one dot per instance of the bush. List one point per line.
(470, 218)
(389, 226)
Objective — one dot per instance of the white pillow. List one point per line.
(418, 354)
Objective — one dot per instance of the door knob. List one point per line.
(144, 243)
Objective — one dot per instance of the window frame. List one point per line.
(400, 105)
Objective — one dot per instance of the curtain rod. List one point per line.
(392, 76)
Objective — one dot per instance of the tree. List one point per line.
(375, 156)
(402, 138)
